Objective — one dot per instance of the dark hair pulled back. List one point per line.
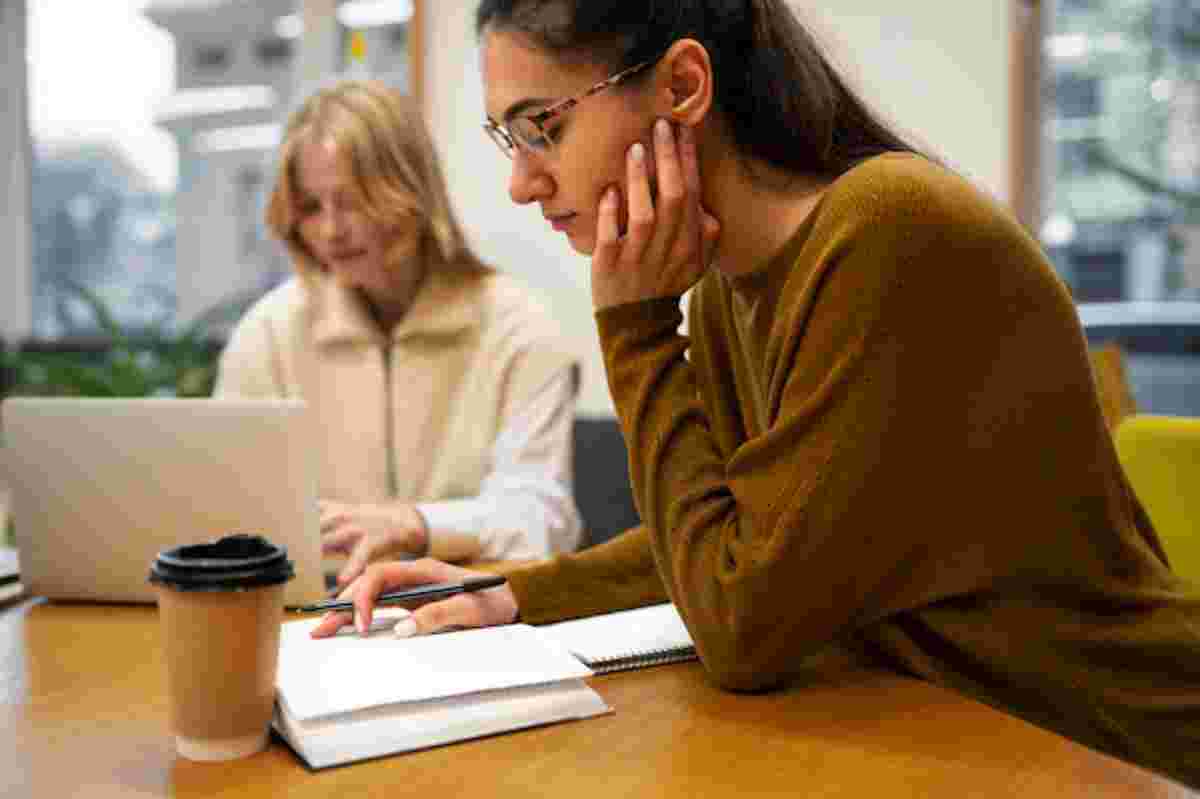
(782, 98)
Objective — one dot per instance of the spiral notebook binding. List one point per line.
(637, 660)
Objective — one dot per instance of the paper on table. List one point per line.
(645, 631)
(320, 677)
(391, 729)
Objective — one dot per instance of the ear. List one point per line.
(686, 83)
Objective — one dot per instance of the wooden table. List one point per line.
(83, 713)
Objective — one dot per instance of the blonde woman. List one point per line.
(441, 397)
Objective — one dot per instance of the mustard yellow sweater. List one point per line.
(888, 439)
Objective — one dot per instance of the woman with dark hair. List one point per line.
(881, 433)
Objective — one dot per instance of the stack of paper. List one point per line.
(350, 698)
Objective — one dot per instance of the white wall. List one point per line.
(515, 239)
(16, 307)
(940, 70)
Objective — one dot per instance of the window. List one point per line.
(103, 173)
(375, 38)
(272, 52)
(1120, 163)
(398, 36)
(211, 58)
(1076, 96)
(152, 147)
(1073, 157)
(1121, 145)
(249, 187)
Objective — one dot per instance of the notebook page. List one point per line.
(319, 677)
(627, 632)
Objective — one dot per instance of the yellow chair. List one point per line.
(1161, 458)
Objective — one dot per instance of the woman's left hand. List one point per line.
(668, 239)
(370, 532)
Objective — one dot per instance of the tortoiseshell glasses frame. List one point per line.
(529, 131)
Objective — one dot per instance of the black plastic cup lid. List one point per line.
(228, 564)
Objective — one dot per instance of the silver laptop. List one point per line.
(100, 486)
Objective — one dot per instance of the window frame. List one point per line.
(1025, 110)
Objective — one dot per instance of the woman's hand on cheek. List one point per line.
(668, 243)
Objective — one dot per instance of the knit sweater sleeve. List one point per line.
(616, 575)
(882, 379)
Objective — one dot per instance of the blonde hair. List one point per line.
(383, 138)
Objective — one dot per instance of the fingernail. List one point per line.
(312, 633)
(663, 129)
(405, 628)
(638, 151)
(360, 624)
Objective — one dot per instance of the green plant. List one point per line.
(157, 361)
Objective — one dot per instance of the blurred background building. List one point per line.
(235, 82)
(1121, 183)
(158, 251)
(232, 80)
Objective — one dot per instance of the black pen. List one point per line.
(424, 592)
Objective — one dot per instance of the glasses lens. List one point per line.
(529, 135)
(502, 139)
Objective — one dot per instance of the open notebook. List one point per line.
(351, 698)
(627, 639)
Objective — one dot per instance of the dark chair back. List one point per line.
(602, 489)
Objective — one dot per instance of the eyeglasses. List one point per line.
(529, 131)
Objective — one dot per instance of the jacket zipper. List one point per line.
(389, 420)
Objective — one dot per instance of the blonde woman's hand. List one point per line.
(369, 532)
(485, 608)
(668, 240)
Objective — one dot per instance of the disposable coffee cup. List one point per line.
(220, 606)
